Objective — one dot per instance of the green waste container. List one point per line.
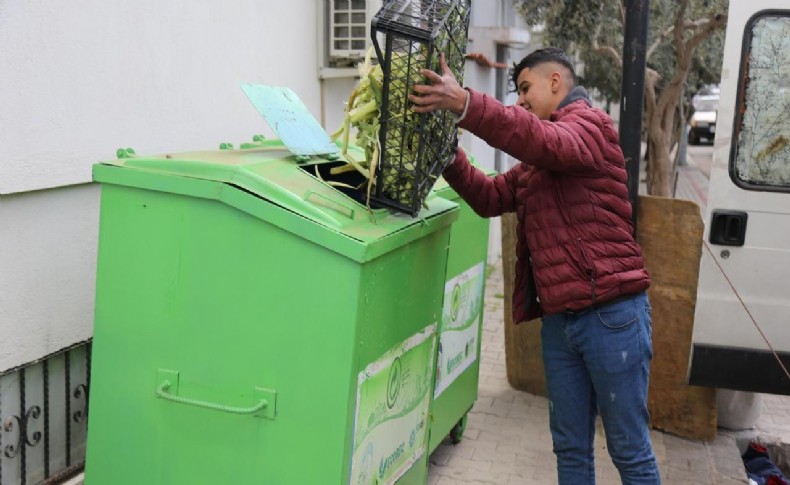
(458, 361)
(255, 325)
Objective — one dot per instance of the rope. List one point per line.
(754, 321)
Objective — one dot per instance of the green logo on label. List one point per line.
(455, 302)
(393, 383)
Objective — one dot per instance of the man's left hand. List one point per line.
(444, 92)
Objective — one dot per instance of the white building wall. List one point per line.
(80, 79)
(47, 271)
(83, 78)
(499, 33)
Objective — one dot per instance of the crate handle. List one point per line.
(263, 408)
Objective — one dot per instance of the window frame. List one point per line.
(349, 53)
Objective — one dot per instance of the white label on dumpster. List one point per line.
(463, 303)
(393, 396)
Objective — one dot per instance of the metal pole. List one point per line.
(632, 93)
(500, 93)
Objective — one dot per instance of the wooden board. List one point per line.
(522, 342)
(670, 232)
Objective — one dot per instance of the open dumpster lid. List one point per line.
(290, 119)
(267, 182)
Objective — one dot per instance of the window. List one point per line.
(349, 28)
(761, 145)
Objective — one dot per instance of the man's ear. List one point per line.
(556, 82)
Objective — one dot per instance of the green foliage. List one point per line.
(707, 62)
(601, 74)
(579, 25)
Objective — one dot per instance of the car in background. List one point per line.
(709, 90)
(703, 118)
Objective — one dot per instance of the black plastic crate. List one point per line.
(416, 147)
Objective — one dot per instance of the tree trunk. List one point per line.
(661, 131)
(660, 176)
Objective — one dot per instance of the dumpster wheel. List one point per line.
(457, 433)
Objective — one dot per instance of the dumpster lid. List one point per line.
(268, 171)
(290, 119)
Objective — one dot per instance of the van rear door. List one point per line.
(745, 268)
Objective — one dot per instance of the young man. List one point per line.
(578, 267)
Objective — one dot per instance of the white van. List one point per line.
(744, 285)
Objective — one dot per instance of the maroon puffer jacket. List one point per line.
(570, 196)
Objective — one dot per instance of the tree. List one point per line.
(684, 48)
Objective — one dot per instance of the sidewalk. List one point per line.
(507, 439)
(692, 185)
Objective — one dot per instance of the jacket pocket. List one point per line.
(582, 262)
(586, 265)
(584, 259)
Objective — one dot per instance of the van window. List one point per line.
(762, 125)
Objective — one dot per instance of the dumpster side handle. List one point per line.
(168, 389)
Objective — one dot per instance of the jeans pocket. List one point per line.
(619, 316)
(615, 339)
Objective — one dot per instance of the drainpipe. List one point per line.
(500, 93)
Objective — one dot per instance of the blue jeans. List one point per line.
(599, 361)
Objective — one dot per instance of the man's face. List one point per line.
(540, 89)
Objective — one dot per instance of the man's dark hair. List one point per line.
(542, 56)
